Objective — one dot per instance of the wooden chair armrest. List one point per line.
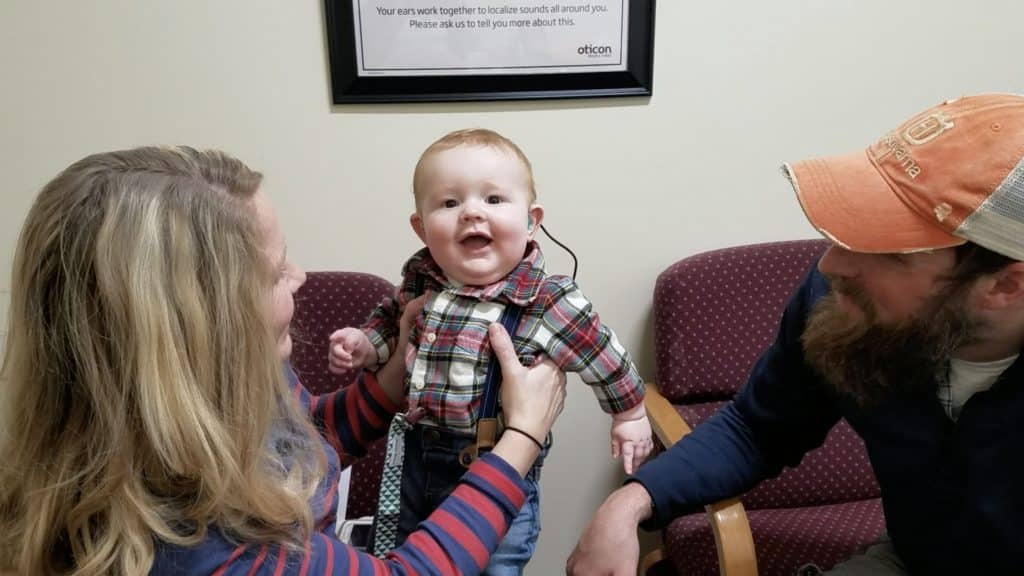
(728, 519)
(668, 425)
(651, 559)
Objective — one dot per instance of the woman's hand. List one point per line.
(531, 399)
(391, 376)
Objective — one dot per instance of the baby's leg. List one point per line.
(430, 473)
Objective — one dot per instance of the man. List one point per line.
(910, 329)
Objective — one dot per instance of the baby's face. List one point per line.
(472, 210)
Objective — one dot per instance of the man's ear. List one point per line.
(536, 216)
(1004, 289)
(417, 226)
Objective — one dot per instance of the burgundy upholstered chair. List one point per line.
(714, 313)
(328, 301)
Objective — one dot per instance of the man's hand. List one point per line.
(350, 349)
(609, 545)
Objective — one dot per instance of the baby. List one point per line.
(476, 212)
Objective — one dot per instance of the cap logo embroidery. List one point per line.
(894, 147)
(927, 129)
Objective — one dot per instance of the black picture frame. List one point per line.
(348, 87)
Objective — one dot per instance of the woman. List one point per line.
(152, 423)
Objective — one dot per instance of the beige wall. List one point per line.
(5, 297)
(631, 184)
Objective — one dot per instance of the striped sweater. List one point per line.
(458, 538)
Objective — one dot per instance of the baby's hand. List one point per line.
(350, 349)
(631, 438)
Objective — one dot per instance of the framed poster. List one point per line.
(450, 50)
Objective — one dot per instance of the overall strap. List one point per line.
(510, 318)
(487, 421)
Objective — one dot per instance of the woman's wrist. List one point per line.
(536, 430)
(538, 443)
(518, 451)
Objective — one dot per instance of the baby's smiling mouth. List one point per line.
(475, 241)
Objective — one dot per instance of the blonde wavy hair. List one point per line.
(141, 377)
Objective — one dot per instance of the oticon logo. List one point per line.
(591, 50)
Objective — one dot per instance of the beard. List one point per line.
(868, 361)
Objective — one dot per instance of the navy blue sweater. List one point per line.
(953, 493)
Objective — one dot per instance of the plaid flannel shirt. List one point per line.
(448, 352)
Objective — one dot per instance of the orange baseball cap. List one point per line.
(953, 173)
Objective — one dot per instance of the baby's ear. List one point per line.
(535, 215)
(417, 226)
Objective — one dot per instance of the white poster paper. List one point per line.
(456, 37)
